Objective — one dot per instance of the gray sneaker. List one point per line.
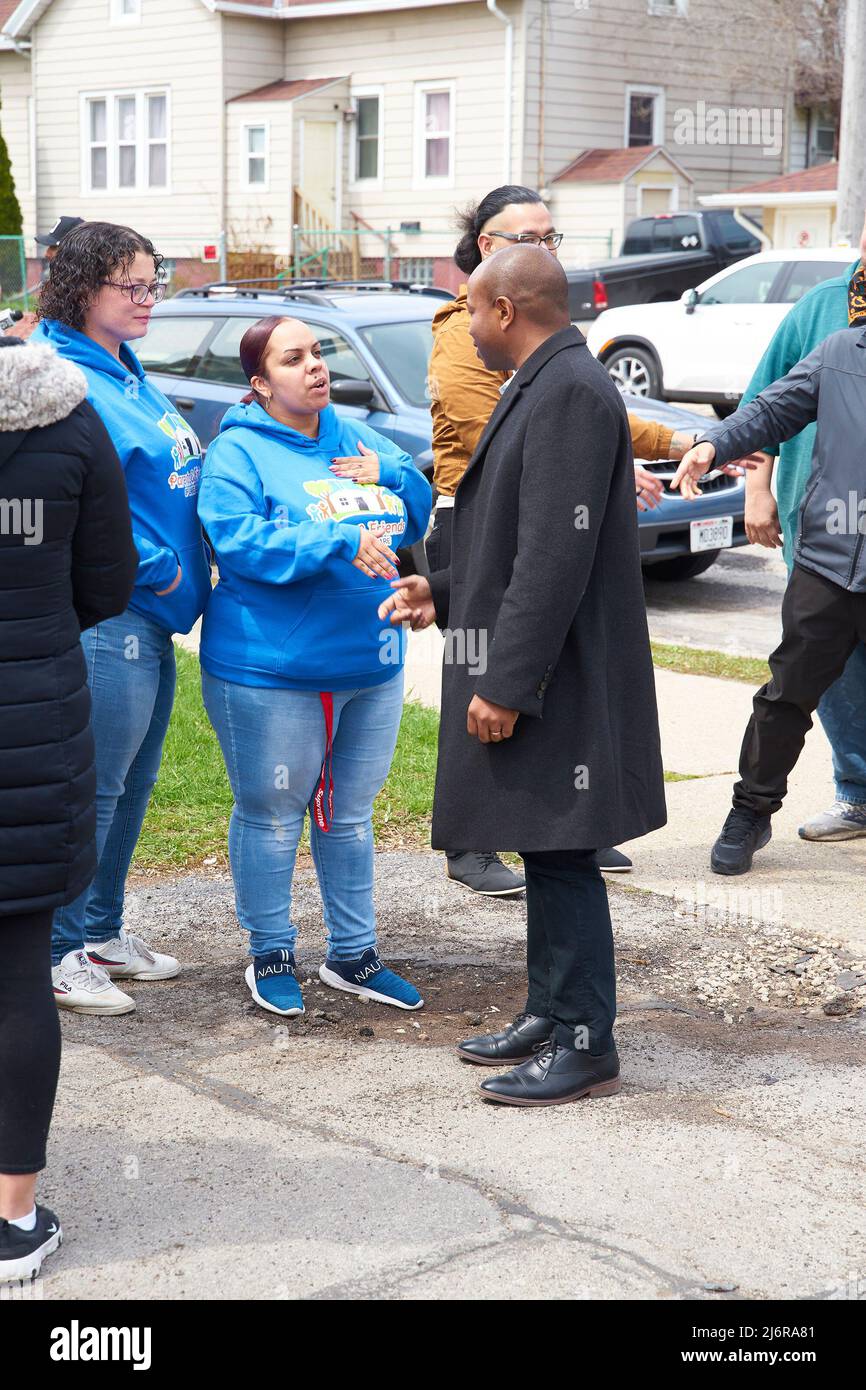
(845, 820)
(485, 873)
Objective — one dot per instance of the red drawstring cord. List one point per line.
(326, 776)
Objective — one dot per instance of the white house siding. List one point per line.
(15, 120)
(259, 220)
(253, 53)
(175, 46)
(593, 52)
(459, 43)
(591, 217)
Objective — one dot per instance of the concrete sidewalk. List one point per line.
(205, 1149)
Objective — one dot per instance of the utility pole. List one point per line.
(852, 135)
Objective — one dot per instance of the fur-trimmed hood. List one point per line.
(37, 387)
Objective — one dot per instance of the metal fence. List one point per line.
(13, 273)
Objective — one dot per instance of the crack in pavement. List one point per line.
(506, 1204)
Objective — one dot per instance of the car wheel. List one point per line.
(634, 371)
(682, 566)
(723, 411)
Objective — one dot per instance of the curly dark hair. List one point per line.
(87, 257)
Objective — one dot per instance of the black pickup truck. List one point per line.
(660, 257)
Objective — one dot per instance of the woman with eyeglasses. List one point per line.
(463, 396)
(99, 297)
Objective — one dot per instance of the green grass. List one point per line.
(696, 661)
(188, 817)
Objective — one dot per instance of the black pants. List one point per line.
(821, 625)
(29, 1041)
(569, 947)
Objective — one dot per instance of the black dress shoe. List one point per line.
(743, 833)
(517, 1043)
(555, 1075)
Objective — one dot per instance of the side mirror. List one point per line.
(689, 298)
(351, 391)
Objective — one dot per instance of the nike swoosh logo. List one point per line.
(51, 1230)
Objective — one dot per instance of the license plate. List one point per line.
(713, 534)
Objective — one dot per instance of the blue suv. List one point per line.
(376, 339)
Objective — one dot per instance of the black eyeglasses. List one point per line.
(551, 241)
(139, 293)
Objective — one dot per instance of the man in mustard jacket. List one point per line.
(463, 395)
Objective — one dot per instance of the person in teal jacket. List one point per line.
(99, 296)
(302, 681)
(773, 522)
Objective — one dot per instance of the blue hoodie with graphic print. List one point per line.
(291, 610)
(161, 457)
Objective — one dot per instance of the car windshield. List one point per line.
(403, 350)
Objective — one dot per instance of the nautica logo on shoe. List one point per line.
(371, 969)
(273, 970)
(77, 1343)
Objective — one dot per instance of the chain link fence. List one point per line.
(13, 274)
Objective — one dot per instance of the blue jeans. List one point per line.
(131, 674)
(273, 742)
(842, 712)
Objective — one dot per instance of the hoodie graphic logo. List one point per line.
(186, 451)
(339, 501)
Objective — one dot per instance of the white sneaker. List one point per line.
(127, 957)
(85, 988)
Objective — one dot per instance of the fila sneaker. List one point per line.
(368, 977)
(85, 988)
(127, 957)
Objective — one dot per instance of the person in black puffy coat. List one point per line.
(67, 561)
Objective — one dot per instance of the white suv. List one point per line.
(705, 346)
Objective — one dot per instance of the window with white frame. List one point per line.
(125, 11)
(434, 159)
(366, 162)
(254, 153)
(126, 137)
(644, 116)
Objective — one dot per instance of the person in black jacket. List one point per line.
(549, 745)
(67, 561)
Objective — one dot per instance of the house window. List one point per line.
(367, 136)
(644, 116)
(418, 269)
(435, 127)
(822, 139)
(157, 139)
(125, 11)
(255, 156)
(126, 142)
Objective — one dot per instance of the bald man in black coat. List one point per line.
(549, 740)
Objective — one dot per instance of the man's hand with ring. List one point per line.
(488, 722)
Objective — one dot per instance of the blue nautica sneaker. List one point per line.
(371, 979)
(272, 983)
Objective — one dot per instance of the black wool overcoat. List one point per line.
(544, 612)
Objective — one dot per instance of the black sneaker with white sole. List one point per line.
(22, 1252)
(743, 833)
(485, 873)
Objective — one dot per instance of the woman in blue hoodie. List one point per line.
(99, 296)
(302, 681)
